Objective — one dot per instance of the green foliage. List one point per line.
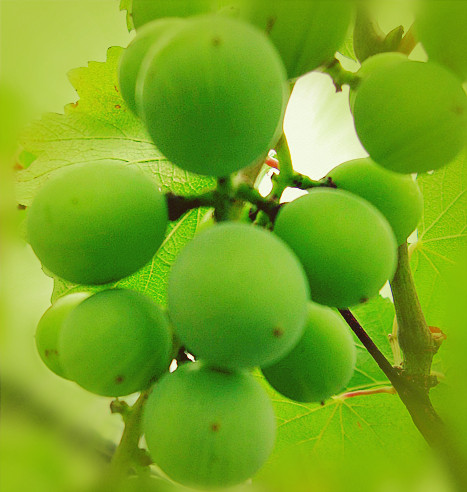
(97, 223)
(396, 196)
(115, 342)
(346, 246)
(322, 362)
(441, 29)
(411, 117)
(206, 428)
(130, 62)
(49, 328)
(237, 296)
(232, 84)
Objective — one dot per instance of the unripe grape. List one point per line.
(346, 246)
(206, 428)
(213, 97)
(396, 196)
(97, 223)
(115, 343)
(237, 296)
(132, 57)
(306, 33)
(49, 328)
(144, 11)
(322, 362)
(411, 117)
(442, 29)
(373, 63)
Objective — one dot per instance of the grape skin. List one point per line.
(206, 428)
(306, 33)
(411, 117)
(49, 328)
(96, 223)
(373, 63)
(130, 62)
(115, 343)
(214, 96)
(322, 362)
(346, 246)
(396, 196)
(237, 296)
(442, 29)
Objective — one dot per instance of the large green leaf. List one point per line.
(99, 126)
(442, 236)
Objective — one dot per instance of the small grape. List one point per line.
(373, 63)
(145, 11)
(130, 62)
(346, 246)
(396, 196)
(115, 343)
(306, 33)
(214, 96)
(49, 328)
(208, 428)
(97, 223)
(442, 29)
(237, 296)
(411, 117)
(322, 362)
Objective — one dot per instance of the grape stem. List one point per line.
(340, 76)
(417, 401)
(128, 456)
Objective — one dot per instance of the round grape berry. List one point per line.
(132, 58)
(346, 246)
(207, 428)
(411, 117)
(213, 96)
(396, 196)
(96, 223)
(115, 343)
(441, 27)
(322, 362)
(49, 328)
(237, 296)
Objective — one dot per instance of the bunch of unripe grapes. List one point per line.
(209, 79)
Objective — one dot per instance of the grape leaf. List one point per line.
(442, 236)
(99, 126)
(128, 6)
(346, 423)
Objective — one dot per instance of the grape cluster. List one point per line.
(209, 79)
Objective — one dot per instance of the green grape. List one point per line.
(411, 117)
(97, 223)
(132, 57)
(145, 11)
(306, 33)
(208, 428)
(237, 296)
(213, 97)
(322, 362)
(442, 29)
(373, 63)
(115, 343)
(346, 246)
(396, 196)
(49, 328)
